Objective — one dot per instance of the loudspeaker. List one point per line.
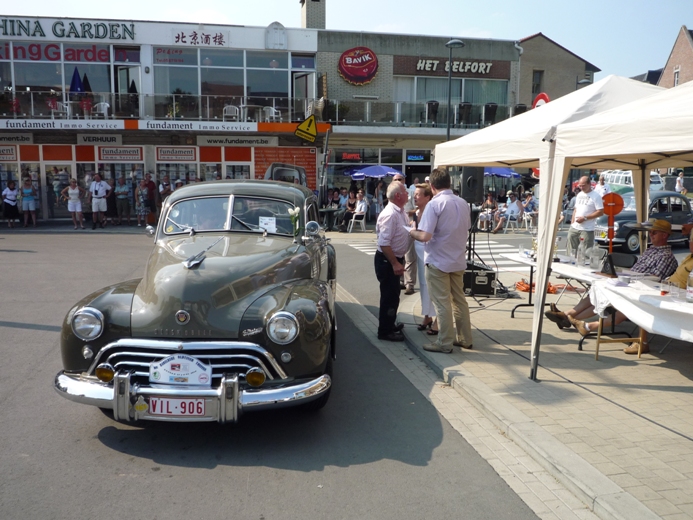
(472, 185)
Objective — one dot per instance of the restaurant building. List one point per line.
(200, 102)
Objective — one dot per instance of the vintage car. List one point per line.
(235, 312)
(667, 205)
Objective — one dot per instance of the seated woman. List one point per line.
(488, 208)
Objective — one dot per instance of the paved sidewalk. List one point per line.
(617, 432)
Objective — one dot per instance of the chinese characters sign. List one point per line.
(201, 38)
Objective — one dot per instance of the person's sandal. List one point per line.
(432, 332)
(425, 326)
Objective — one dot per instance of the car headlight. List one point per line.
(87, 323)
(616, 227)
(282, 328)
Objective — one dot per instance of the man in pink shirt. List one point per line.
(393, 242)
(444, 227)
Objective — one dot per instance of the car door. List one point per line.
(680, 214)
(316, 245)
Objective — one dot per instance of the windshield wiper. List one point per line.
(250, 227)
(182, 226)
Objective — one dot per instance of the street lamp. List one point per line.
(452, 44)
(579, 82)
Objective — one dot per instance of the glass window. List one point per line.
(393, 156)
(418, 156)
(267, 83)
(178, 171)
(481, 91)
(175, 80)
(201, 214)
(302, 62)
(347, 155)
(436, 89)
(222, 82)
(88, 53)
(267, 60)
(38, 76)
(252, 214)
(95, 78)
(126, 54)
(221, 58)
(537, 80)
(174, 56)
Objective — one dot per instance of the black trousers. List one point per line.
(389, 293)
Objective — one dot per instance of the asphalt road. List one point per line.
(378, 450)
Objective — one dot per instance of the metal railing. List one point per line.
(54, 104)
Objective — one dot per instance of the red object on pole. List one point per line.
(613, 205)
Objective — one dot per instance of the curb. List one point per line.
(605, 498)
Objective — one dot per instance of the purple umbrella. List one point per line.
(76, 85)
(378, 171)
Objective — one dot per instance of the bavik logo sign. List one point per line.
(358, 66)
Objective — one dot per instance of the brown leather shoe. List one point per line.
(559, 318)
(633, 348)
(580, 325)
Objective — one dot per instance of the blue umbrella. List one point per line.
(506, 173)
(378, 171)
(76, 85)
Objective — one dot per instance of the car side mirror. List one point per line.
(150, 231)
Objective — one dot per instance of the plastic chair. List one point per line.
(360, 219)
(527, 221)
(100, 110)
(271, 114)
(61, 109)
(510, 221)
(231, 112)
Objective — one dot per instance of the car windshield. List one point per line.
(628, 201)
(250, 214)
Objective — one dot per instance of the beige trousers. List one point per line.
(447, 295)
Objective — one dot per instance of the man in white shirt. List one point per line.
(165, 188)
(588, 208)
(602, 188)
(98, 191)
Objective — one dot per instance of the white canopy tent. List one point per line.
(517, 142)
(652, 132)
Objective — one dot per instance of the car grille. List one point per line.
(225, 357)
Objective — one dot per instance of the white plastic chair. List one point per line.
(231, 112)
(271, 114)
(527, 221)
(510, 221)
(61, 109)
(100, 110)
(360, 219)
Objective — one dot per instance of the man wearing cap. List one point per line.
(513, 211)
(98, 191)
(588, 208)
(658, 260)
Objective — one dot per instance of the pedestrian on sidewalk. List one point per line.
(393, 242)
(74, 194)
(9, 200)
(98, 191)
(444, 227)
(422, 196)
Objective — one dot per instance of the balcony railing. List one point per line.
(52, 104)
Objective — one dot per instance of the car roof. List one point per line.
(273, 189)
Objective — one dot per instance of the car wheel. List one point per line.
(632, 244)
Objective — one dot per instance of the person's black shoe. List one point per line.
(392, 336)
(398, 327)
(101, 225)
(93, 226)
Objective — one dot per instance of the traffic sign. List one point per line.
(307, 130)
(613, 205)
(541, 99)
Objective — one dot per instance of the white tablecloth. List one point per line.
(642, 303)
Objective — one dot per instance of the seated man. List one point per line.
(512, 212)
(531, 207)
(657, 260)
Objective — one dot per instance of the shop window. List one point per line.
(418, 156)
(177, 171)
(126, 54)
(174, 56)
(175, 80)
(221, 58)
(302, 62)
(391, 157)
(38, 76)
(267, 60)
(94, 78)
(436, 89)
(482, 91)
(222, 82)
(267, 83)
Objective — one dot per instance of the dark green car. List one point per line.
(235, 312)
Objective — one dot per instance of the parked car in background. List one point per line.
(621, 181)
(667, 205)
(235, 312)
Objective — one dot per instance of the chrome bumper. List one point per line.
(129, 402)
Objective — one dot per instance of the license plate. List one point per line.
(176, 407)
(602, 234)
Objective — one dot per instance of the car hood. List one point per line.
(215, 294)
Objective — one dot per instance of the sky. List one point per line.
(624, 37)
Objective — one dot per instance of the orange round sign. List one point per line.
(613, 204)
